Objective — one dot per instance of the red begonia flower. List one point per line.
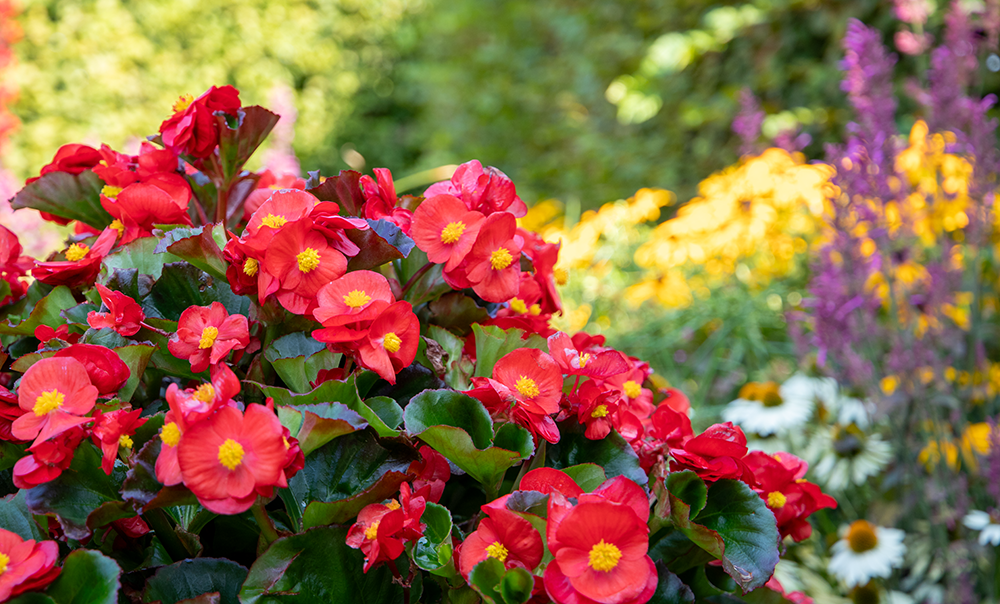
(377, 534)
(168, 470)
(73, 158)
(161, 200)
(781, 485)
(206, 334)
(105, 368)
(543, 258)
(413, 506)
(502, 403)
(601, 410)
(603, 364)
(391, 342)
(124, 314)
(715, 454)
(192, 405)
(268, 183)
(25, 565)
(9, 411)
(485, 190)
(505, 536)
(432, 472)
(299, 261)
(225, 458)
(600, 554)
(112, 430)
(242, 268)
(81, 265)
(193, 129)
(381, 202)
(356, 297)
(56, 393)
(281, 207)
(47, 460)
(445, 229)
(670, 427)
(533, 378)
(13, 265)
(493, 265)
(45, 334)
(546, 480)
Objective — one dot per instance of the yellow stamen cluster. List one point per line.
(205, 393)
(391, 343)
(170, 434)
(393, 505)
(47, 402)
(118, 226)
(208, 336)
(274, 221)
(500, 259)
(632, 389)
(183, 102)
(111, 191)
(518, 305)
(250, 267)
(125, 441)
(599, 411)
(231, 454)
(861, 536)
(308, 260)
(776, 500)
(357, 298)
(604, 556)
(497, 550)
(584, 358)
(76, 252)
(4, 561)
(527, 387)
(452, 232)
(372, 531)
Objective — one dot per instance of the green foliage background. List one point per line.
(413, 84)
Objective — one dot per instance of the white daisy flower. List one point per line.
(866, 551)
(845, 455)
(989, 528)
(766, 408)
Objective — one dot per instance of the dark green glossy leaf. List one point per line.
(191, 578)
(689, 488)
(588, 476)
(387, 410)
(485, 578)
(438, 520)
(670, 589)
(46, 311)
(324, 422)
(87, 577)
(141, 488)
(197, 245)
(136, 357)
(410, 382)
(350, 471)
(455, 371)
(748, 530)
(317, 566)
(73, 196)
(236, 145)
(77, 315)
(16, 517)
(516, 586)
(289, 354)
(77, 492)
(33, 597)
(428, 286)
(181, 286)
(138, 255)
(456, 312)
(611, 453)
(10, 453)
(459, 427)
(344, 189)
(492, 343)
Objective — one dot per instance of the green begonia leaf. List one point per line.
(73, 196)
(188, 579)
(87, 577)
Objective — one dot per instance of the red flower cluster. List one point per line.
(361, 318)
(383, 530)
(193, 129)
(206, 334)
(25, 565)
(381, 202)
(292, 246)
(791, 497)
(225, 456)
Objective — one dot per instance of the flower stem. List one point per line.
(267, 531)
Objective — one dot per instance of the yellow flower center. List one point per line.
(4, 561)
(308, 260)
(500, 259)
(391, 343)
(357, 298)
(47, 402)
(372, 530)
(183, 102)
(599, 411)
(250, 267)
(583, 359)
(497, 550)
(170, 434)
(231, 454)
(77, 251)
(527, 387)
(776, 500)
(861, 536)
(535, 310)
(604, 556)
(274, 221)
(517, 305)
(452, 232)
(393, 505)
(205, 393)
(561, 275)
(208, 336)
(125, 441)
(111, 191)
(632, 389)
(118, 226)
